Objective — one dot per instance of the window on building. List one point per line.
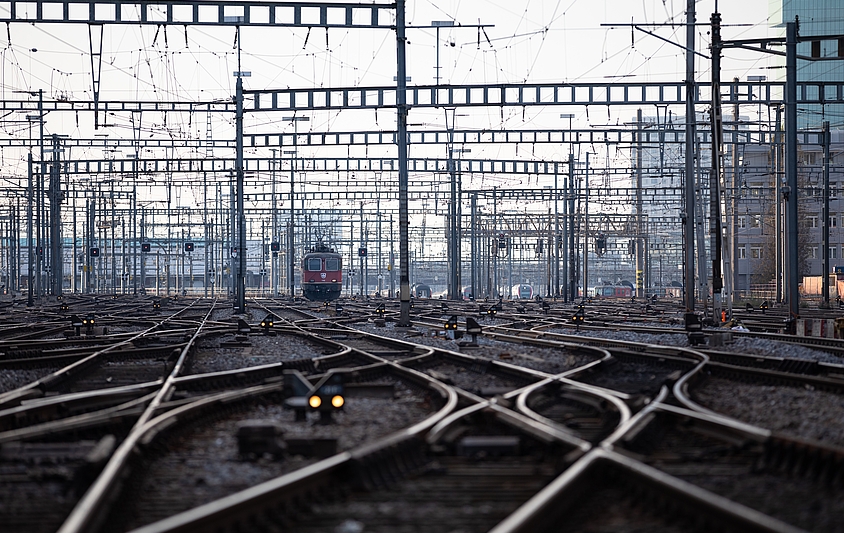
(755, 221)
(756, 252)
(742, 222)
(833, 222)
(813, 221)
(833, 252)
(742, 252)
(833, 190)
(813, 252)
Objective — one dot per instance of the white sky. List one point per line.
(531, 41)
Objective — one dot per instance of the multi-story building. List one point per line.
(822, 18)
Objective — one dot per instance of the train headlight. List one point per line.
(338, 401)
(315, 402)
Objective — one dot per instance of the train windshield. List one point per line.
(332, 264)
(314, 264)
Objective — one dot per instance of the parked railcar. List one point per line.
(523, 291)
(615, 291)
(322, 274)
(421, 290)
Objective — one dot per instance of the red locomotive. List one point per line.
(322, 274)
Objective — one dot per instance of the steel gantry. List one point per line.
(388, 16)
(478, 95)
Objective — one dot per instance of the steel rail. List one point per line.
(604, 395)
(723, 509)
(830, 345)
(232, 508)
(38, 387)
(550, 505)
(90, 509)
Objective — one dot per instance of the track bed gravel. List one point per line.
(740, 345)
(203, 463)
(14, 379)
(210, 357)
(550, 360)
(798, 412)
(628, 376)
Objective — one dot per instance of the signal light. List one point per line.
(601, 244)
(362, 251)
(188, 246)
(502, 244)
(95, 252)
(268, 323)
(579, 316)
(451, 323)
(146, 247)
(327, 396)
(275, 246)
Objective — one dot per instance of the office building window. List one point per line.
(756, 252)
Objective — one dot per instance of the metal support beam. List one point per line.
(401, 118)
(240, 238)
(687, 216)
(611, 135)
(461, 96)
(95, 47)
(56, 196)
(639, 252)
(715, 173)
(790, 192)
(200, 13)
(825, 271)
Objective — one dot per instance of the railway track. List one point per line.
(502, 434)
